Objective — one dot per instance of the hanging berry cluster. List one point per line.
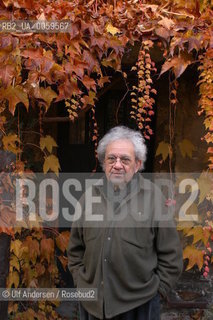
(207, 260)
(94, 133)
(173, 89)
(141, 96)
(72, 107)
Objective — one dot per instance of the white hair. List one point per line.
(121, 133)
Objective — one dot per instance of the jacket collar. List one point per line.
(142, 184)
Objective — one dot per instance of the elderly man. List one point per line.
(132, 260)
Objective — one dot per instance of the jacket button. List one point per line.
(105, 260)
(109, 238)
(102, 283)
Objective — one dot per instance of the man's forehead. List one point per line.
(120, 145)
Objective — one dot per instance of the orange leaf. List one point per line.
(47, 249)
(178, 64)
(194, 256)
(7, 73)
(33, 246)
(62, 240)
(89, 83)
(64, 261)
(210, 150)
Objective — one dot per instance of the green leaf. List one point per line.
(51, 163)
(186, 148)
(163, 150)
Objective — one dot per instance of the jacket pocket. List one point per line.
(138, 237)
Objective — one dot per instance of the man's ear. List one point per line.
(138, 165)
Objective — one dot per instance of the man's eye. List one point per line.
(125, 160)
(111, 159)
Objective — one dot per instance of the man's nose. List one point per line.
(118, 164)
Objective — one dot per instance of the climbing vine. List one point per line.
(141, 99)
(39, 70)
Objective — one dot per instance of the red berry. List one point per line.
(206, 269)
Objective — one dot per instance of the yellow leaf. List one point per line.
(15, 247)
(14, 95)
(10, 143)
(111, 29)
(48, 95)
(163, 149)
(47, 142)
(198, 234)
(183, 225)
(12, 307)
(14, 262)
(3, 120)
(13, 279)
(51, 163)
(205, 186)
(194, 256)
(186, 148)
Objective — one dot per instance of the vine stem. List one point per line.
(27, 131)
(172, 113)
(119, 105)
(34, 145)
(19, 155)
(56, 232)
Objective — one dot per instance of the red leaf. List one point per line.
(7, 73)
(89, 83)
(67, 89)
(178, 64)
(210, 150)
(90, 60)
(32, 53)
(163, 33)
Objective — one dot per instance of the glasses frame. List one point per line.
(124, 160)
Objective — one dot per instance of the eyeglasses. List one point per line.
(123, 159)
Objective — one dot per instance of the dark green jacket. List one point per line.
(128, 261)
